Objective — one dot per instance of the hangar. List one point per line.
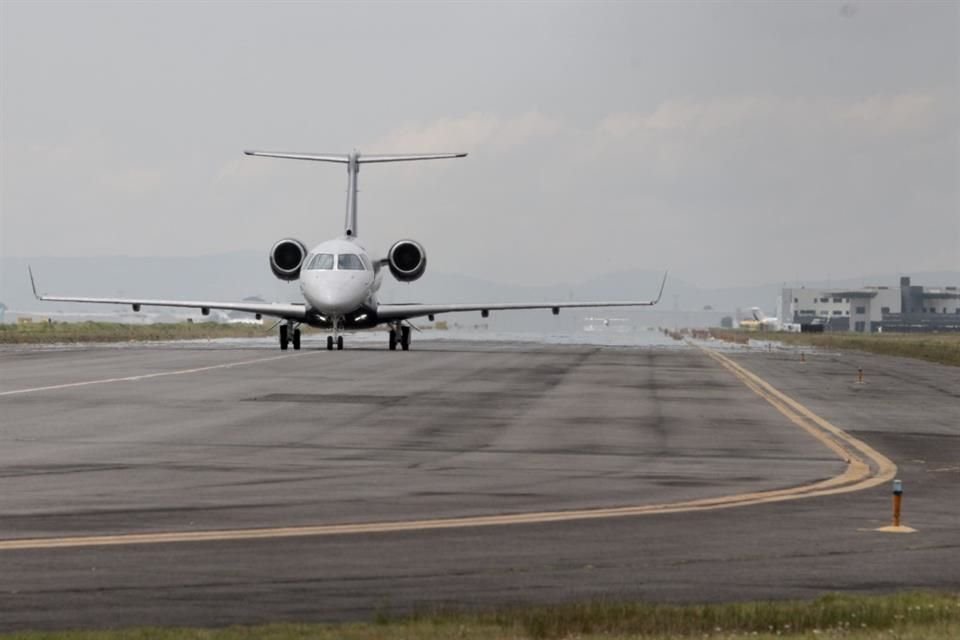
(907, 308)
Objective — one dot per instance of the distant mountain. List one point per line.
(239, 275)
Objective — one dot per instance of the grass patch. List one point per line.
(943, 348)
(72, 332)
(906, 616)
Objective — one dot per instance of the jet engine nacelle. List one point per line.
(286, 258)
(407, 260)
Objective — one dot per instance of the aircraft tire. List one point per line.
(329, 343)
(296, 339)
(339, 343)
(393, 340)
(284, 338)
(405, 338)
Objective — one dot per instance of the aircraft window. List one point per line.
(321, 261)
(349, 261)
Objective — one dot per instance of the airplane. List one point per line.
(599, 324)
(760, 321)
(763, 322)
(339, 279)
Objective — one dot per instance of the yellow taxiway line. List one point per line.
(865, 468)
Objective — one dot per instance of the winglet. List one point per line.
(662, 285)
(33, 284)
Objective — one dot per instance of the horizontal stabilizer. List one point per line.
(409, 156)
(317, 157)
(344, 158)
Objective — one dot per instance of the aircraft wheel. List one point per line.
(284, 338)
(329, 343)
(339, 343)
(405, 338)
(296, 339)
(393, 339)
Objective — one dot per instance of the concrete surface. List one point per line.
(452, 429)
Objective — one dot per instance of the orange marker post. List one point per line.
(897, 499)
(860, 376)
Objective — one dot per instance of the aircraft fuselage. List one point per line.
(339, 282)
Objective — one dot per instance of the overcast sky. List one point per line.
(732, 143)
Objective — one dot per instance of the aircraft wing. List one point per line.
(286, 311)
(388, 312)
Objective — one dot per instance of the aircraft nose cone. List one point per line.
(333, 297)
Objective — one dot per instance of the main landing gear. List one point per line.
(289, 333)
(400, 333)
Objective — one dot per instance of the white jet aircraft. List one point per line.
(762, 320)
(339, 280)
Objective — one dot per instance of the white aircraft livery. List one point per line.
(339, 279)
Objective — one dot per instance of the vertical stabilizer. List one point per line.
(353, 169)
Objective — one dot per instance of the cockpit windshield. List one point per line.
(350, 261)
(321, 261)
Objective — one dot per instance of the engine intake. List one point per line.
(407, 260)
(286, 258)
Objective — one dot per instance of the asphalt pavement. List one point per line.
(105, 441)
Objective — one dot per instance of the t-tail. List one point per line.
(353, 162)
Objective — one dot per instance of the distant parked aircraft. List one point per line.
(763, 322)
(600, 324)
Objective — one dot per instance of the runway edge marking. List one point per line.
(865, 468)
(146, 376)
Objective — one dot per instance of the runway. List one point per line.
(180, 440)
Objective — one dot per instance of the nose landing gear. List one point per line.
(336, 337)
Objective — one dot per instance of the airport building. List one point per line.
(870, 309)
